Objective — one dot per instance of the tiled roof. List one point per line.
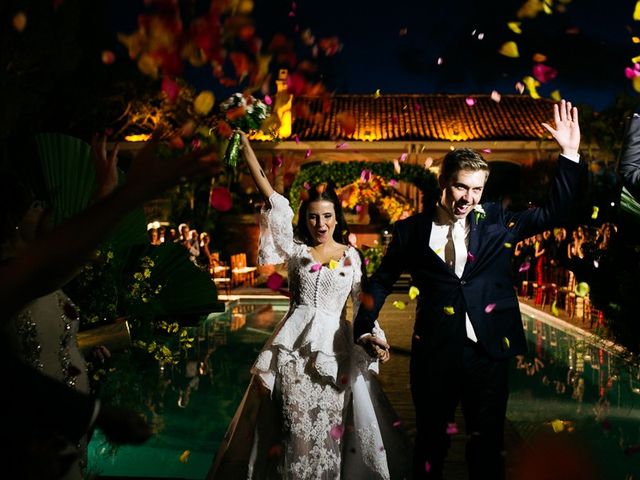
(421, 117)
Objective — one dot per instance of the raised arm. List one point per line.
(254, 167)
(567, 129)
(48, 261)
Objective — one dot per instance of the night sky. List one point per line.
(590, 62)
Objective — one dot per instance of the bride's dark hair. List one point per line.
(317, 193)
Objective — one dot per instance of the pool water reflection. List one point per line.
(574, 385)
(569, 383)
(201, 397)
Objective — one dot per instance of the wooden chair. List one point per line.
(241, 274)
(220, 272)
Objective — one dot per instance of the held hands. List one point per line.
(567, 128)
(376, 347)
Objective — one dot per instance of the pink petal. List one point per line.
(278, 161)
(403, 157)
(471, 257)
(306, 186)
(275, 281)
(495, 96)
(452, 429)
(308, 154)
(337, 431)
(365, 175)
(296, 138)
(524, 267)
(342, 145)
(316, 267)
(268, 100)
(397, 423)
(489, 308)
(427, 467)
(486, 150)
(544, 73)
(393, 183)
(470, 101)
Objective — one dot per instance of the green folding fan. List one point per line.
(70, 178)
(186, 288)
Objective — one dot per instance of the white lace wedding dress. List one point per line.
(314, 409)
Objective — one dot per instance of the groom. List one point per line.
(468, 321)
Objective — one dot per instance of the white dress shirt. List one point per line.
(440, 227)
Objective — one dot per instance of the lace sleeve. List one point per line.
(276, 231)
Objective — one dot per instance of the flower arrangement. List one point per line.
(239, 112)
(371, 189)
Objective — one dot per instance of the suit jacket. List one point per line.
(485, 289)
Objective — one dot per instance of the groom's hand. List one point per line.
(376, 347)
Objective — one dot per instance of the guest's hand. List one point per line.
(106, 166)
(567, 128)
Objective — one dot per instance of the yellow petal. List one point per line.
(582, 289)
(399, 305)
(557, 425)
(506, 342)
(636, 12)
(515, 27)
(204, 102)
(449, 310)
(377, 94)
(413, 292)
(635, 59)
(547, 8)
(554, 309)
(509, 49)
(507, 245)
(555, 95)
(184, 457)
(594, 214)
(636, 83)
(532, 84)
(333, 264)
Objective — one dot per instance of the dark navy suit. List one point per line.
(446, 367)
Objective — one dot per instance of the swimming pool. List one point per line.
(575, 385)
(201, 397)
(570, 381)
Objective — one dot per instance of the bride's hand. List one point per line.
(376, 347)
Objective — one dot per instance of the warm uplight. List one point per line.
(143, 137)
(366, 135)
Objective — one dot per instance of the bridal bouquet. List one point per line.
(240, 112)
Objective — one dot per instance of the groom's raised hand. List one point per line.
(567, 128)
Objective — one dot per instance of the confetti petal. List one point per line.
(428, 162)
(519, 87)
(582, 289)
(515, 27)
(554, 309)
(307, 154)
(221, 199)
(539, 57)
(413, 292)
(316, 267)
(507, 245)
(532, 84)
(184, 456)
(557, 425)
(399, 305)
(470, 101)
(366, 300)
(506, 342)
(524, 267)
(365, 175)
(489, 308)
(108, 57)
(397, 423)
(333, 264)
(275, 281)
(509, 49)
(544, 73)
(19, 21)
(449, 310)
(471, 257)
(594, 214)
(337, 431)
(495, 96)
(452, 429)
(396, 166)
(427, 467)
(204, 102)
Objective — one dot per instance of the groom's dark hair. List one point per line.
(462, 159)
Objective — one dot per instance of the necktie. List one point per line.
(455, 250)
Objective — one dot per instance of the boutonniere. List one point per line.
(479, 212)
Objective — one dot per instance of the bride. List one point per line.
(314, 408)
